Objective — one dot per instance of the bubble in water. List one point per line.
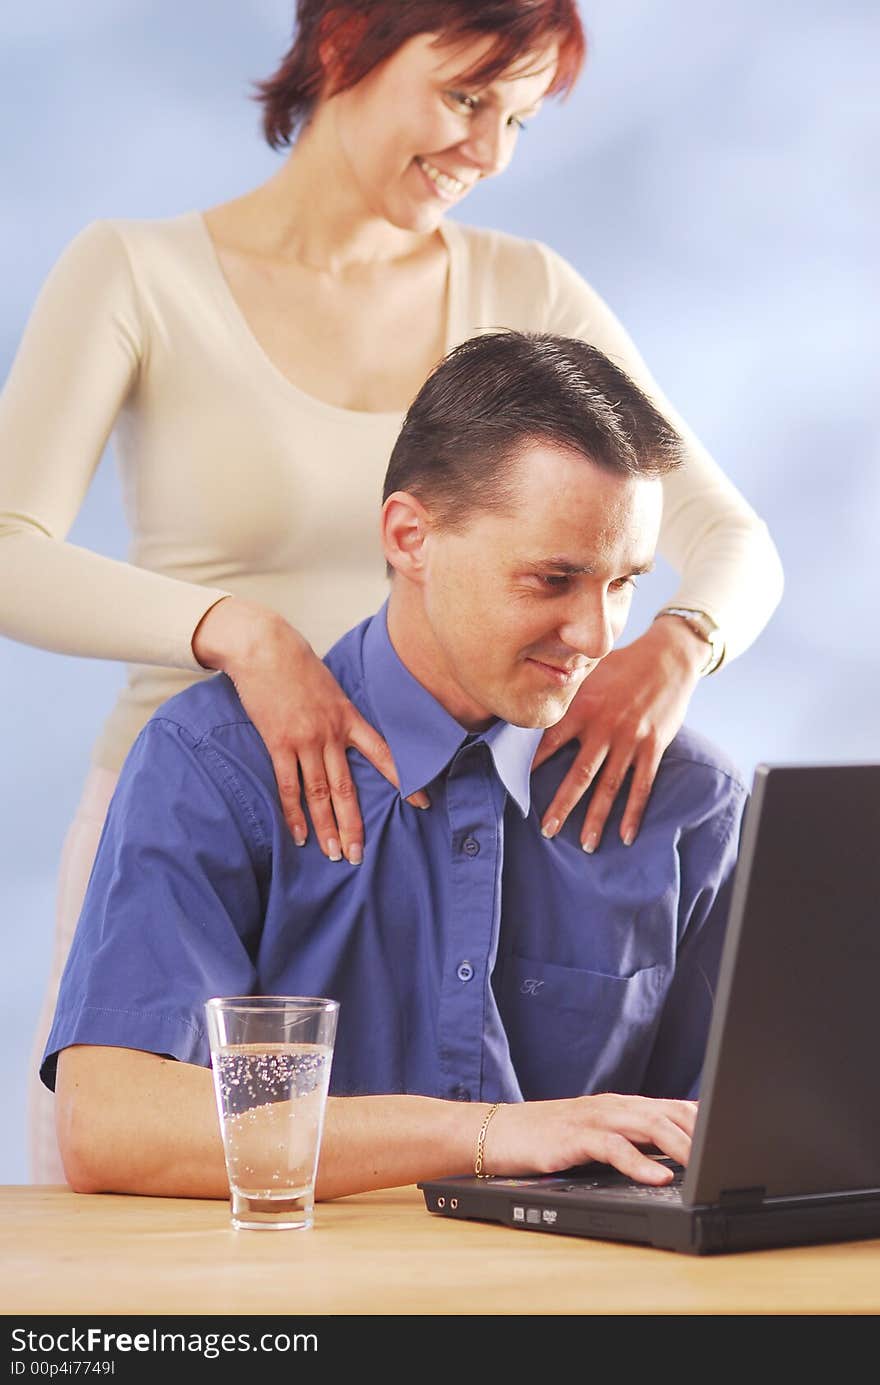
(271, 1098)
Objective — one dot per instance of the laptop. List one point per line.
(786, 1149)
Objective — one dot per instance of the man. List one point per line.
(476, 961)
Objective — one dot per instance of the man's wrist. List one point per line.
(479, 1158)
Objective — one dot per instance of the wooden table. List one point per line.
(383, 1253)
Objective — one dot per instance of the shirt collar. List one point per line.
(423, 737)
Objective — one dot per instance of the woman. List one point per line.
(255, 362)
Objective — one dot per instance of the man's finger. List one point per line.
(622, 1155)
(683, 1114)
(671, 1139)
(580, 775)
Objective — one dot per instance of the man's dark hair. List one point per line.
(502, 390)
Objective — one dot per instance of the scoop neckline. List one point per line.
(449, 233)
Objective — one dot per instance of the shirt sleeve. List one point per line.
(707, 853)
(174, 907)
(79, 358)
(728, 563)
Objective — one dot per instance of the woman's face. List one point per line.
(416, 139)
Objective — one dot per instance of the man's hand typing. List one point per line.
(545, 1136)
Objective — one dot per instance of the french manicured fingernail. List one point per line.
(333, 849)
(629, 837)
(591, 842)
(299, 836)
(550, 828)
(425, 804)
(355, 854)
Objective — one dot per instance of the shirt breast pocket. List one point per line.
(572, 1032)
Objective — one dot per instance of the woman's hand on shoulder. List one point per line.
(624, 715)
(304, 718)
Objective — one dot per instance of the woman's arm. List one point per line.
(77, 365)
(710, 534)
(632, 705)
(78, 360)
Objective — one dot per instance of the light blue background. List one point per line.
(714, 176)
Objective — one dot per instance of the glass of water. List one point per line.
(271, 1058)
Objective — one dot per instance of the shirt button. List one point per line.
(471, 846)
(465, 971)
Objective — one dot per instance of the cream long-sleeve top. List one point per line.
(236, 481)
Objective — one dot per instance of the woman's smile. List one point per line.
(445, 185)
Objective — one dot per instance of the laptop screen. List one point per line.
(790, 1096)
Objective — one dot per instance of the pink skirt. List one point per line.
(77, 857)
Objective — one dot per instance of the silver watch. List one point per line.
(704, 626)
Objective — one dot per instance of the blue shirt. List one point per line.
(473, 958)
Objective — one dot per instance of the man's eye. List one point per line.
(622, 584)
(555, 581)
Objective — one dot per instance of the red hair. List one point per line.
(365, 33)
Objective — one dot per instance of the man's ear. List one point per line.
(406, 526)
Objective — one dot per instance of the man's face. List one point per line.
(519, 607)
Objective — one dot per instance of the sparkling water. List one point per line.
(271, 1099)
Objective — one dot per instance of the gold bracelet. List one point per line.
(481, 1139)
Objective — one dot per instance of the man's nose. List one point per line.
(589, 628)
